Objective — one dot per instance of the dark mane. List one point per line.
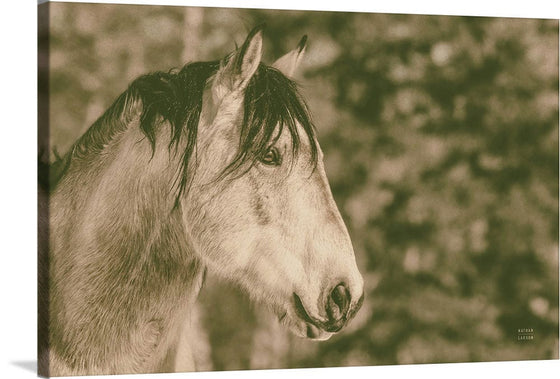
(271, 100)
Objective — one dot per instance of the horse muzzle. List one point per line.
(339, 308)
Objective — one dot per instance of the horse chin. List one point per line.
(303, 328)
(314, 333)
(307, 330)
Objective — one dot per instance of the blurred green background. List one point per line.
(440, 137)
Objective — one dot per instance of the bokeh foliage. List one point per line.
(440, 137)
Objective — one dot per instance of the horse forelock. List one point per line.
(271, 103)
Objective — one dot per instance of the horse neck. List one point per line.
(113, 216)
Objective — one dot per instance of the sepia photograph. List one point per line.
(238, 189)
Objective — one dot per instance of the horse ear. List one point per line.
(289, 62)
(243, 63)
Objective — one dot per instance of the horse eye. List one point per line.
(272, 157)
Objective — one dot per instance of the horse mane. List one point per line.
(271, 102)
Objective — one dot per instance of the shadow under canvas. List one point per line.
(26, 365)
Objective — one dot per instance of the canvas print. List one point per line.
(226, 189)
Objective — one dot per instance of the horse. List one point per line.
(216, 167)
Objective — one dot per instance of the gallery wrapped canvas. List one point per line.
(225, 189)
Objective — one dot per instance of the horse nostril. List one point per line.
(338, 302)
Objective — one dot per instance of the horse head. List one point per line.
(259, 210)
